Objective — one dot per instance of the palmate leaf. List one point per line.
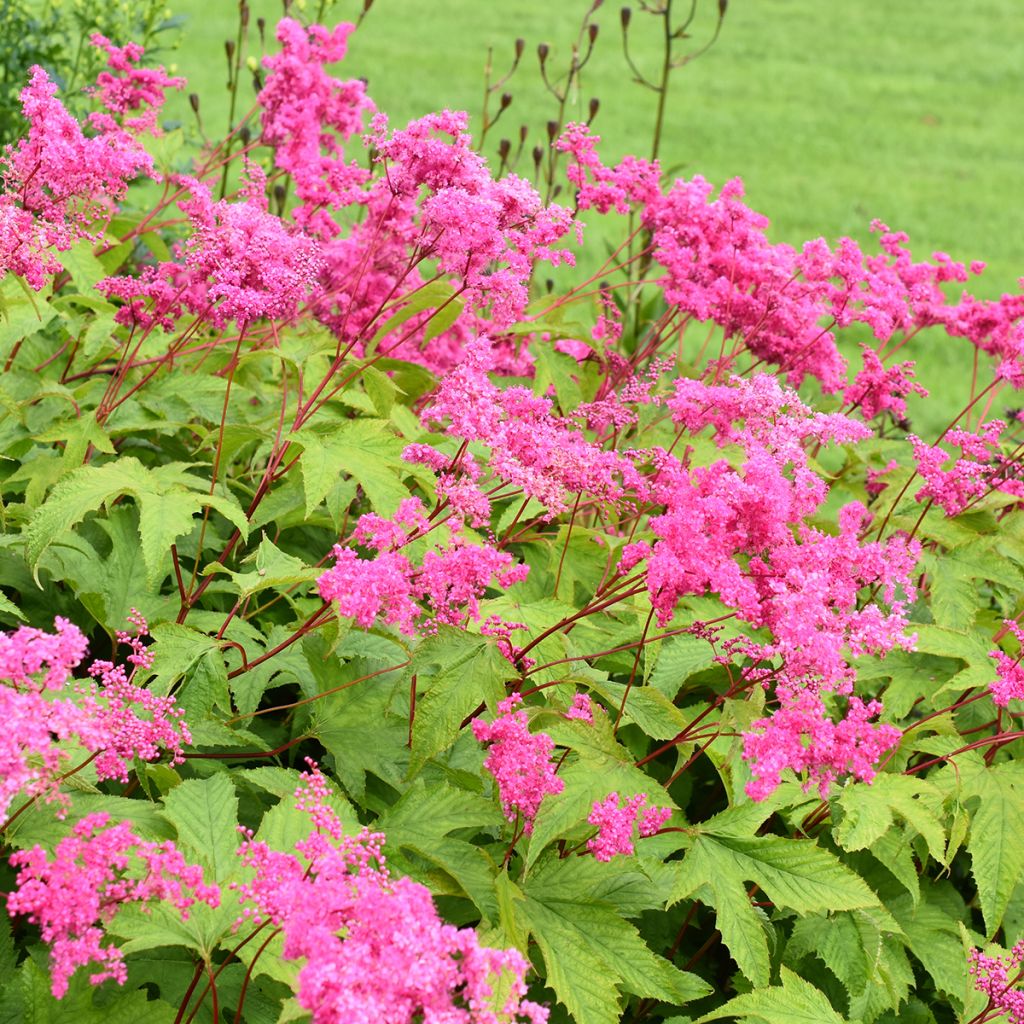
(25, 998)
(718, 870)
(455, 672)
(365, 449)
(168, 497)
(590, 953)
(869, 811)
(795, 1001)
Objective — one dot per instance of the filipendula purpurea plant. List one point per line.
(609, 652)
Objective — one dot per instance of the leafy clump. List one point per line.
(492, 652)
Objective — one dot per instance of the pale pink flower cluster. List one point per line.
(530, 447)
(1009, 682)
(92, 873)
(617, 823)
(996, 976)
(801, 736)
(449, 580)
(979, 469)
(519, 760)
(374, 946)
(111, 717)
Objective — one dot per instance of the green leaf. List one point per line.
(678, 659)
(272, 570)
(589, 952)
(795, 1001)
(205, 814)
(718, 869)
(366, 449)
(455, 673)
(8, 607)
(869, 811)
(168, 497)
(997, 824)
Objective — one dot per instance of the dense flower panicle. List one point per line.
(307, 117)
(1009, 682)
(616, 823)
(721, 267)
(519, 760)
(530, 447)
(996, 976)
(981, 468)
(876, 389)
(241, 263)
(631, 182)
(486, 233)
(27, 652)
(71, 896)
(449, 580)
(801, 736)
(59, 185)
(113, 718)
(374, 947)
(126, 89)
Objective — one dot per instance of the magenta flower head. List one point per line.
(520, 762)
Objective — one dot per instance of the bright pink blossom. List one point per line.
(519, 760)
(616, 822)
(801, 736)
(1009, 682)
(374, 946)
(995, 977)
(71, 896)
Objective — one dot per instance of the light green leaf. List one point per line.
(795, 1001)
(205, 814)
(168, 497)
(997, 824)
(455, 672)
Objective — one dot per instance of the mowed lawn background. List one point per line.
(832, 112)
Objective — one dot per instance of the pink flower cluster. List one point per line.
(374, 947)
(1009, 682)
(981, 468)
(125, 89)
(60, 185)
(112, 717)
(93, 872)
(308, 116)
(241, 264)
(617, 823)
(876, 389)
(520, 762)
(530, 447)
(449, 580)
(581, 709)
(801, 736)
(995, 977)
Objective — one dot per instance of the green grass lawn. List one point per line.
(832, 113)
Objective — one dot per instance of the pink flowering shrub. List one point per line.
(676, 676)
